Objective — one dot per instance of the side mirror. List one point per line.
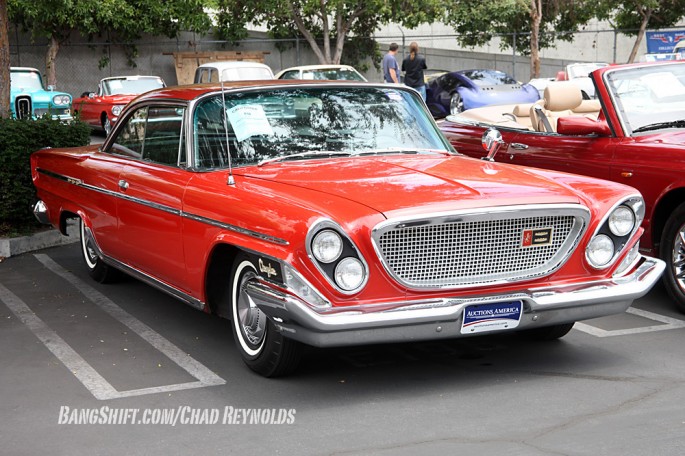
(51, 88)
(491, 141)
(91, 95)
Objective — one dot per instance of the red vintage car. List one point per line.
(336, 213)
(100, 110)
(634, 133)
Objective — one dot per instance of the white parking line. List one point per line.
(90, 378)
(667, 323)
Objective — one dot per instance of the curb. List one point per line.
(52, 238)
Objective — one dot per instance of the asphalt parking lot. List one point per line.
(125, 369)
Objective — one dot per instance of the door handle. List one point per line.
(519, 146)
(123, 184)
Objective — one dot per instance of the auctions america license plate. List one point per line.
(491, 317)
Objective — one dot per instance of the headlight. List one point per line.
(622, 221)
(61, 100)
(116, 110)
(600, 251)
(327, 246)
(349, 274)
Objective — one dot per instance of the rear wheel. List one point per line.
(546, 333)
(97, 269)
(261, 346)
(672, 251)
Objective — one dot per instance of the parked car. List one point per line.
(30, 99)
(101, 109)
(457, 91)
(352, 222)
(321, 72)
(634, 134)
(579, 74)
(232, 71)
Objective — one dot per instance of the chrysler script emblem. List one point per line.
(536, 237)
(267, 269)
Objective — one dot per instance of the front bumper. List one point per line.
(442, 318)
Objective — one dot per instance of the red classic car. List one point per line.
(634, 133)
(336, 213)
(100, 110)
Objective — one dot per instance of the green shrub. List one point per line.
(18, 139)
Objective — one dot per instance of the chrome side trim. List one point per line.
(143, 277)
(168, 209)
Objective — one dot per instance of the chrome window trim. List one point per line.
(580, 213)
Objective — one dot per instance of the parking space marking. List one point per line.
(90, 378)
(667, 324)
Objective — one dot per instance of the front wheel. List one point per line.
(672, 251)
(107, 125)
(456, 104)
(261, 346)
(97, 269)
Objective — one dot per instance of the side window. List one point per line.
(213, 75)
(290, 75)
(130, 139)
(154, 134)
(164, 142)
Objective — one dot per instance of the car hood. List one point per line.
(36, 94)
(663, 138)
(426, 184)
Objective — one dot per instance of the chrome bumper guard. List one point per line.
(441, 318)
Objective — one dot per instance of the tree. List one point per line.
(324, 24)
(524, 25)
(127, 20)
(5, 108)
(634, 17)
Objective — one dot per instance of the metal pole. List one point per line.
(513, 57)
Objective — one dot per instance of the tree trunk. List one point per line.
(5, 109)
(50, 62)
(646, 16)
(535, 20)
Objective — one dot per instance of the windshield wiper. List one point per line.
(308, 154)
(399, 150)
(660, 125)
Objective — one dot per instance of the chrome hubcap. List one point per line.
(252, 320)
(679, 258)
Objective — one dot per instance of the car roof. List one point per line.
(193, 91)
(24, 69)
(136, 76)
(317, 67)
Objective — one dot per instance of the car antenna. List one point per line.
(231, 180)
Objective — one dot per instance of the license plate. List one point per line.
(491, 317)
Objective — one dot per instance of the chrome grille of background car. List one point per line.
(22, 107)
(470, 249)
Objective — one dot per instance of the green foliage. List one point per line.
(18, 139)
(327, 25)
(628, 15)
(477, 22)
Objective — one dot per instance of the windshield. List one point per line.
(25, 80)
(583, 70)
(130, 85)
(267, 124)
(246, 74)
(488, 77)
(333, 74)
(653, 94)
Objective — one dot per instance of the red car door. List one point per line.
(587, 155)
(151, 188)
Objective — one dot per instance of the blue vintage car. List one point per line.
(457, 91)
(29, 99)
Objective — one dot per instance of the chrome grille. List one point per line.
(470, 249)
(22, 107)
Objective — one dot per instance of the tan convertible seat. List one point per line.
(559, 100)
(588, 108)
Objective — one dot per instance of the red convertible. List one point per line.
(100, 110)
(634, 133)
(336, 213)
